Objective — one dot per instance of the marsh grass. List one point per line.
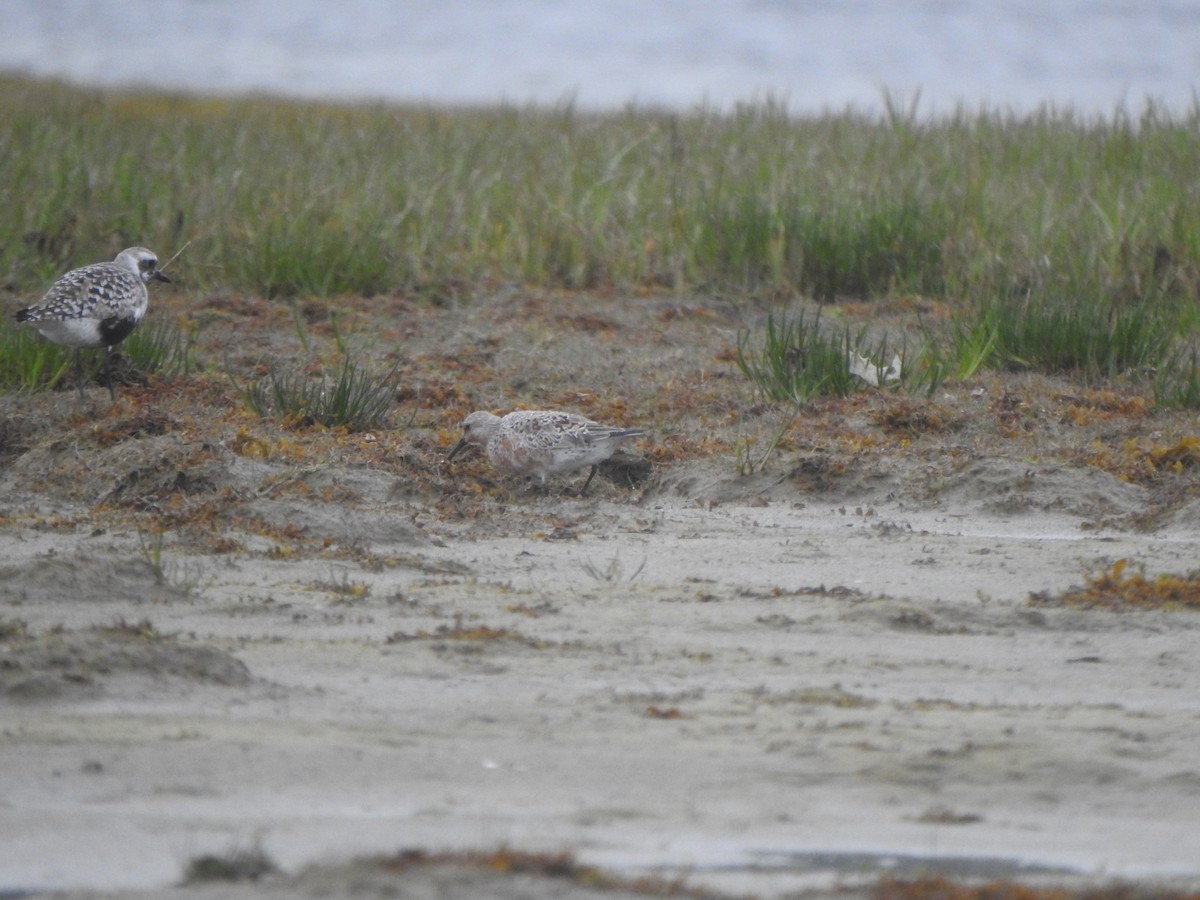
(1088, 336)
(352, 398)
(290, 199)
(30, 362)
(828, 250)
(799, 358)
(162, 348)
(1177, 383)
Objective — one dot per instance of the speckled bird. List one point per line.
(96, 306)
(542, 442)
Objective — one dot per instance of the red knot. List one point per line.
(96, 306)
(542, 442)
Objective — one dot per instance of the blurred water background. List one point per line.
(1092, 56)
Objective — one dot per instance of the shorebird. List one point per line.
(542, 442)
(96, 306)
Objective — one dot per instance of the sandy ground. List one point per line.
(222, 635)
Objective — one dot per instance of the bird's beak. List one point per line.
(159, 276)
(459, 446)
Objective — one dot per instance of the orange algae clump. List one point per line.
(1116, 588)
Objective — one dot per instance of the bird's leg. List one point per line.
(79, 375)
(108, 373)
(591, 475)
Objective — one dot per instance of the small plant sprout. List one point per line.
(152, 552)
(751, 459)
(612, 572)
(344, 588)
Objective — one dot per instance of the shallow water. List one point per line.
(814, 54)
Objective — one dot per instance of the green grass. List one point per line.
(1095, 338)
(158, 346)
(799, 359)
(984, 211)
(30, 362)
(288, 199)
(351, 399)
(1177, 383)
(833, 249)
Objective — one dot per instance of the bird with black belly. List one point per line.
(96, 306)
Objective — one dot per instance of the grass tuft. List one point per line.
(1090, 336)
(161, 348)
(29, 362)
(238, 864)
(799, 360)
(353, 399)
